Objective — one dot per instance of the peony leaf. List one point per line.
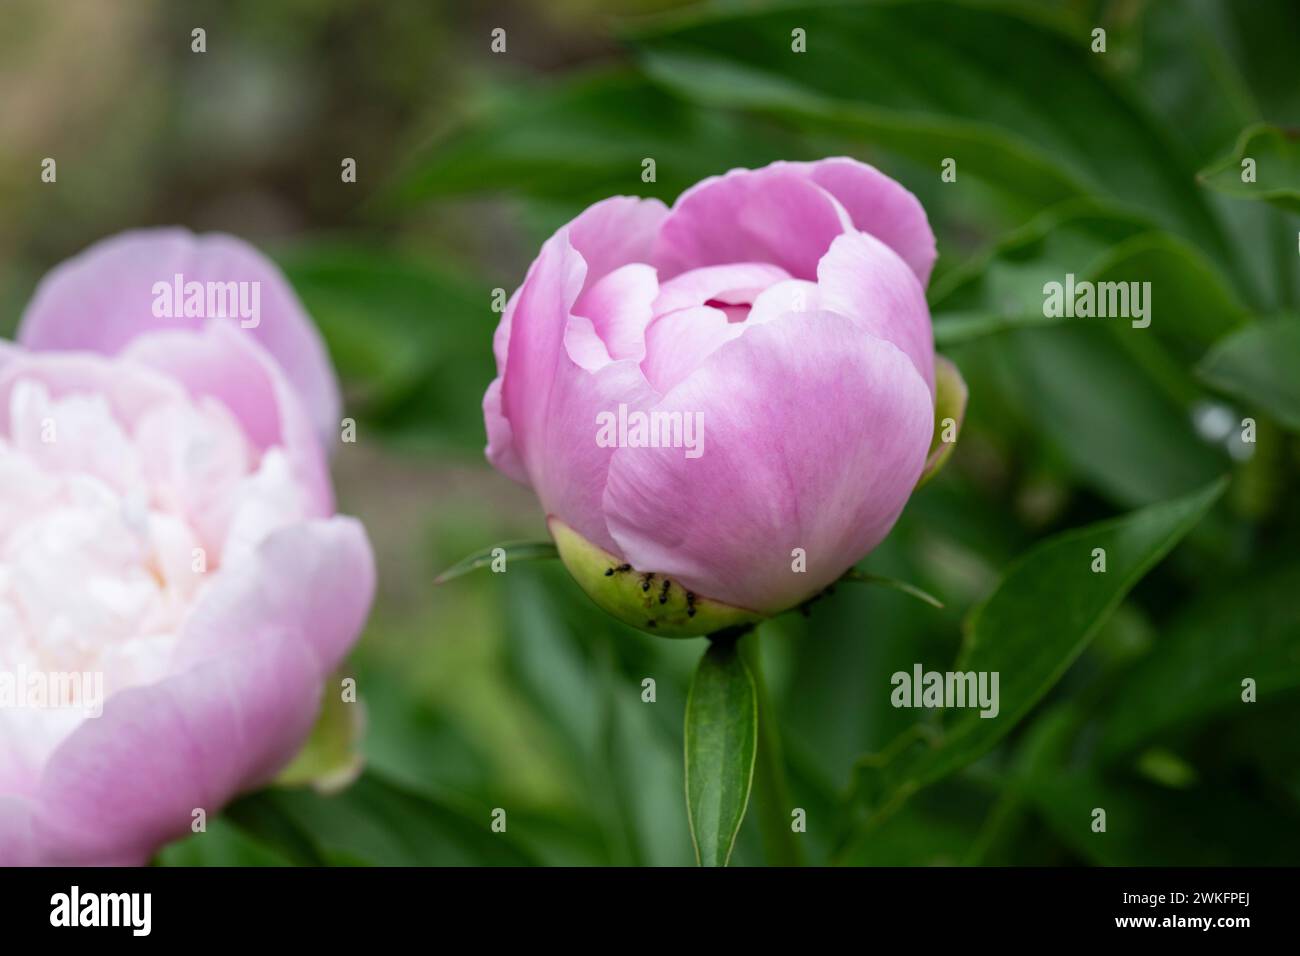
(1270, 158)
(267, 823)
(1003, 288)
(1258, 365)
(398, 369)
(721, 742)
(1244, 628)
(864, 577)
(969, 102)
(582, 138)
(1050, 604)
(506, 551)
(377, 822)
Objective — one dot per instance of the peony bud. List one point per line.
(696, 394)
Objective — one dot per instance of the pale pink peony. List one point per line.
(786, 308)
(167, 522)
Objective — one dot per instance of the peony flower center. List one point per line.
(734, 311)
(699, 311)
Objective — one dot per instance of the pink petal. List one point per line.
(735, 284)
(584, 344)
(608, 235)
(316, 578)
(615, 232)
(500, 449)
(792, 295)
(131, 390)
(619, 307)
(220, 362)
(864, 279)
(501, 438)
(881, 206)
(129, 781)
(679, 342)
(814, 435)
(103, 298)
(570, 473)
(256, 651)
(776, 215)
(501, 336)
(17, 839)
(552, 403)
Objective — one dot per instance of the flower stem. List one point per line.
(772, 794)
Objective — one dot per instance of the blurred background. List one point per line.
(513, 691)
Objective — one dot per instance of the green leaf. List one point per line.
(623, 756)
(548, 661)
(1003, 288)
(911, 590)
(1185, 73)
(721, 741)
(932, 80)
(510, 551)
(936, 829)
(224, 844)
(640, 759)
(1096, 404)
(986, 153)
(1148, 822)
(406, 337)
(379, 823)
(1248, 628)
(1047, 608)
(1260, 36)
(331, 758)
(585, 138)
(1260, 365)
(261, 817)
(1210, 70)
(1276, 155)
(818, 666)
(1115, 400)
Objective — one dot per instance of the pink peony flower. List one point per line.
(169, 553)
(700, 395)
